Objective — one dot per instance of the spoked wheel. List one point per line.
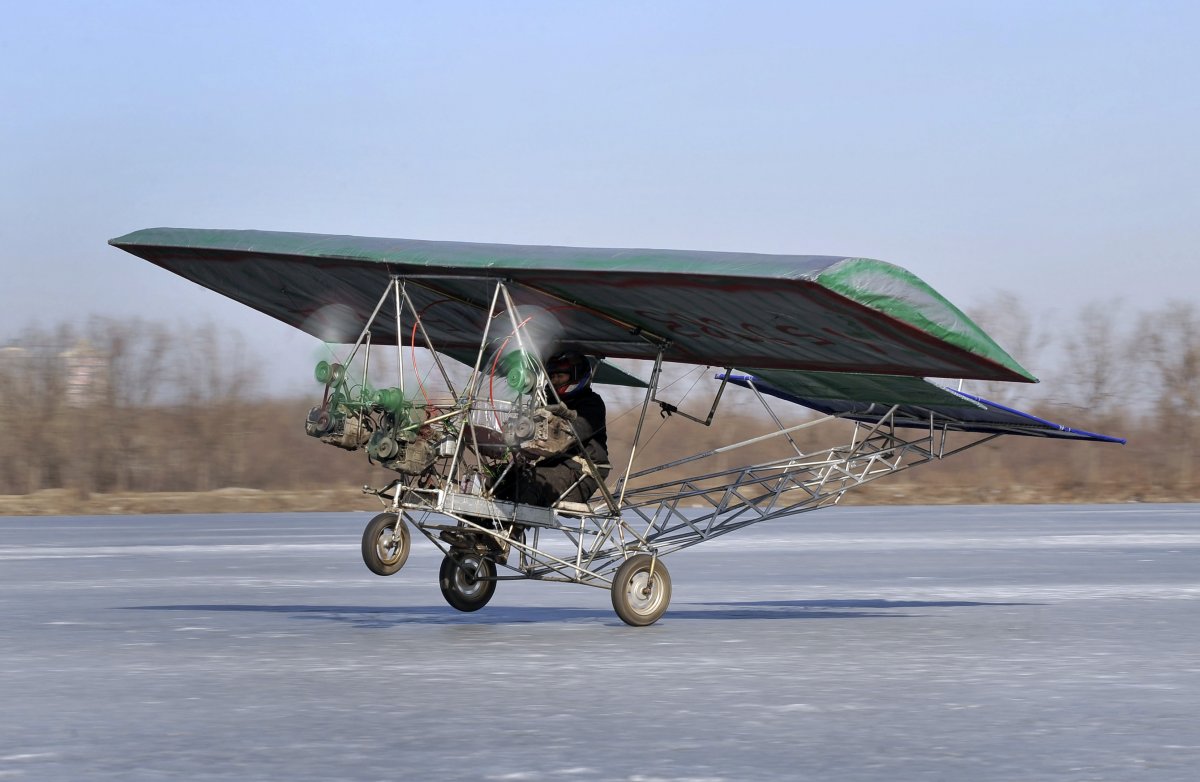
(468, 583)
(638, 597)
(385, 544)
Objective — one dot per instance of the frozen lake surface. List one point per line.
(890, 644)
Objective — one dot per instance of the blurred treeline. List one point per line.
(133, 406)
(130, 405)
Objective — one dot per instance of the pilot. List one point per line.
(567, 475)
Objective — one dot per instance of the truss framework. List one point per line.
(587, 543)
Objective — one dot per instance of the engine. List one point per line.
(541, 432)
(389, 426)
(405, 449)
(334, 425)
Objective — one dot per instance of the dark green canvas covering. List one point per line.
(743, 310)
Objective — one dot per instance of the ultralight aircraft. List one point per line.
(851, 338)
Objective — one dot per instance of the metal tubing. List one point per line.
(637, 435)
(367, 328)
(399, 337)
(437, 358)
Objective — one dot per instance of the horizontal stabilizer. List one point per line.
(918, 403)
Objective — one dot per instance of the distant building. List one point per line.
(12, 359)
(87, 374)
(81, 373)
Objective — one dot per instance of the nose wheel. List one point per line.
(385, 544)
(641, 590)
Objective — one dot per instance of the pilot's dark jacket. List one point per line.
(589, 425)
(544, 483)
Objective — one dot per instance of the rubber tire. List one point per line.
(634, 607)
(460, 588)
(381, 558)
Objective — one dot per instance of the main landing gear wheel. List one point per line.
(638, 597)
(468, 583)
(385, 544)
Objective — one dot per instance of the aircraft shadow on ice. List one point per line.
(377, 616)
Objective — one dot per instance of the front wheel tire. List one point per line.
(385, 544)
(469, 582)
(638, 596)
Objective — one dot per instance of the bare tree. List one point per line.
(1093, 377)
(1168, 343)
(217, 385)
(1025, 337)
(137, 352)
(39, 430)
(1097, 372)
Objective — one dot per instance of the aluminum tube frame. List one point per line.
(586, 544)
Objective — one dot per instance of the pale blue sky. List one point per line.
(1047, 148)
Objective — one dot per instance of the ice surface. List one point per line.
(948, 643)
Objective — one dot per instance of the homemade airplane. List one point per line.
(851, 338)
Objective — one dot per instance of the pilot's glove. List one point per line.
(562, 411)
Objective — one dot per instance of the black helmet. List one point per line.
(576, 366)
